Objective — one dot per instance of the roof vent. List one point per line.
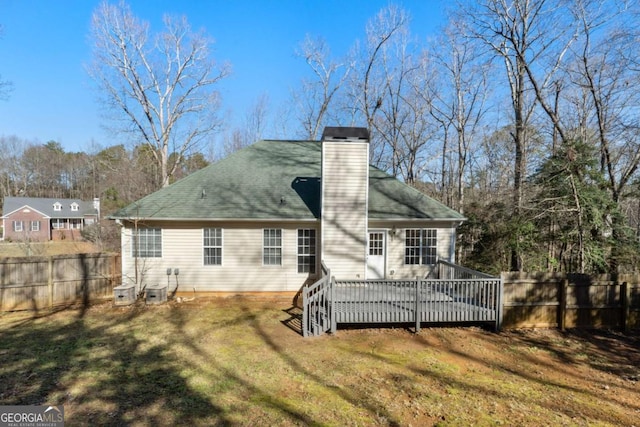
(345, 134)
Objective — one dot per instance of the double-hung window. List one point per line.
(147, 243)
(420, 246)
(17, 226)
(212, 245)
(35, 225)
(307, 251)
(272, 246)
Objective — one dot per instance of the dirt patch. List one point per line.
(241, 361)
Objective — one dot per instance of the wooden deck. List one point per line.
(461, 295)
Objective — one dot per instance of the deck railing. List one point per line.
(457, 294)
(317, 310)
(447, 270)
(418, 301)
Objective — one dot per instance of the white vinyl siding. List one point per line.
(242, 269)
(345, 171)
(396, 246)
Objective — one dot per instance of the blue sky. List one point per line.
(44, 48)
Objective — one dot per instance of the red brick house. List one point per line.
(41, 219)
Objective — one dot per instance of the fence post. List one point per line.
(625, 296)
(50, 281)
(417, 305)
(564, 284)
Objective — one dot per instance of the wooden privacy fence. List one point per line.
(33, 283)
(571, 301)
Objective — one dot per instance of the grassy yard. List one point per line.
(238, 361)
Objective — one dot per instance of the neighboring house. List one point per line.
(267, 216)
(41, 219)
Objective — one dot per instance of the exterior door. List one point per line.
(376, 258)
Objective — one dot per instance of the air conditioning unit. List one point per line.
(124, 294)
(156, 294)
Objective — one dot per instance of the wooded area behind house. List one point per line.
(522, 115)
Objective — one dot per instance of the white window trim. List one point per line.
(281, 247)
(421, 246)
(134, 253)
(221, 247)
(314, 256)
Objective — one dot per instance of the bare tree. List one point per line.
(458, 99)
(251, 128)
(161, 88)
(317, 94)
(518, 32)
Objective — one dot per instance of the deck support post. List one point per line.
(500, 304)
(417, 305)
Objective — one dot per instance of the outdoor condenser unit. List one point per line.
(156, 294)
(124, 294)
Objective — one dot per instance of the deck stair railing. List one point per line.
(316, 301)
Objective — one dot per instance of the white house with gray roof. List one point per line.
(266, 217)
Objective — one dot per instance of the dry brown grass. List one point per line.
(240, 361)
(16, 249)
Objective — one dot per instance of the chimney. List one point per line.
(96, 206)
(344, 201)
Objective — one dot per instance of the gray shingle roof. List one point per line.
(45, 206)
(275, 180)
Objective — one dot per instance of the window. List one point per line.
(35, 225)
(147, 243)
(74, 206)
(17, 225)
(75, 223)
(420, 246)
(57, 206)
(58, 224)
(376, 243)
(212, 244)
(272, 246)
(307, 251)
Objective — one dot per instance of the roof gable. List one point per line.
(275, 180)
